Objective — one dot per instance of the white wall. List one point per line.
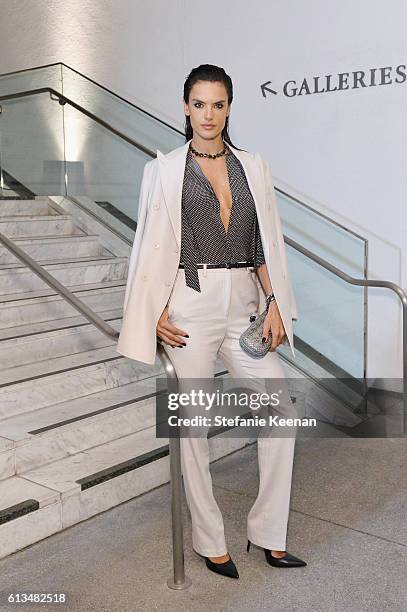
(343, 150)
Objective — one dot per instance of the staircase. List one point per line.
(77, 419)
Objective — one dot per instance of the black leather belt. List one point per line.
(239, 264)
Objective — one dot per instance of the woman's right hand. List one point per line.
(167, 332)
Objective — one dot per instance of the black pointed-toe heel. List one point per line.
(228, 568)
(287, 561)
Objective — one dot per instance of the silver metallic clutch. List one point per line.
(250, 339)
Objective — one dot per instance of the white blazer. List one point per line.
(155, 255)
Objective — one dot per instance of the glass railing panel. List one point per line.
(331, 313)
(136, 123)
(32, 146)
(103, 172)
(31, 135)
(24, 80)
(103, 168)
(62, 151)
(323, 236)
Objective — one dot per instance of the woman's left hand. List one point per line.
(274, 323)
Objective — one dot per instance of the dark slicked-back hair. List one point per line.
(208, 72)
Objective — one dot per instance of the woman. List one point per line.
(192, 286)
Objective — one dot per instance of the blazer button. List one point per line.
(176, 250)
(144, 277)
(156, 245)
(156, 206)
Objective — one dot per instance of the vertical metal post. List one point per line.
(178, 580)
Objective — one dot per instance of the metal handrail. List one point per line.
(179, 580)
(64, 100)
(362, 282)
(99, 85)
(83, 308)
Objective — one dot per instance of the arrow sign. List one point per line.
(264, 88)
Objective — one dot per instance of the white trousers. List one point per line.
(214, 320)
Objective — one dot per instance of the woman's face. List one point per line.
(208, 105)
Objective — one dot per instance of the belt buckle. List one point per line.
(229, 265)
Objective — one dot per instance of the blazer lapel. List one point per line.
(171, 170)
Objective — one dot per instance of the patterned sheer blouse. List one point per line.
(203, 235)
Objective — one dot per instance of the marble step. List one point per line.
(76, 488)
(65, 475)
(62, 430)
(107, 369)
(29, 344)
(56, 325)
(64, 248)
(40, 225)
(13, 208)
(29, 513)
(22, 279)
(57, 419)
(51, 364)
(46, 305)
(52, 416)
